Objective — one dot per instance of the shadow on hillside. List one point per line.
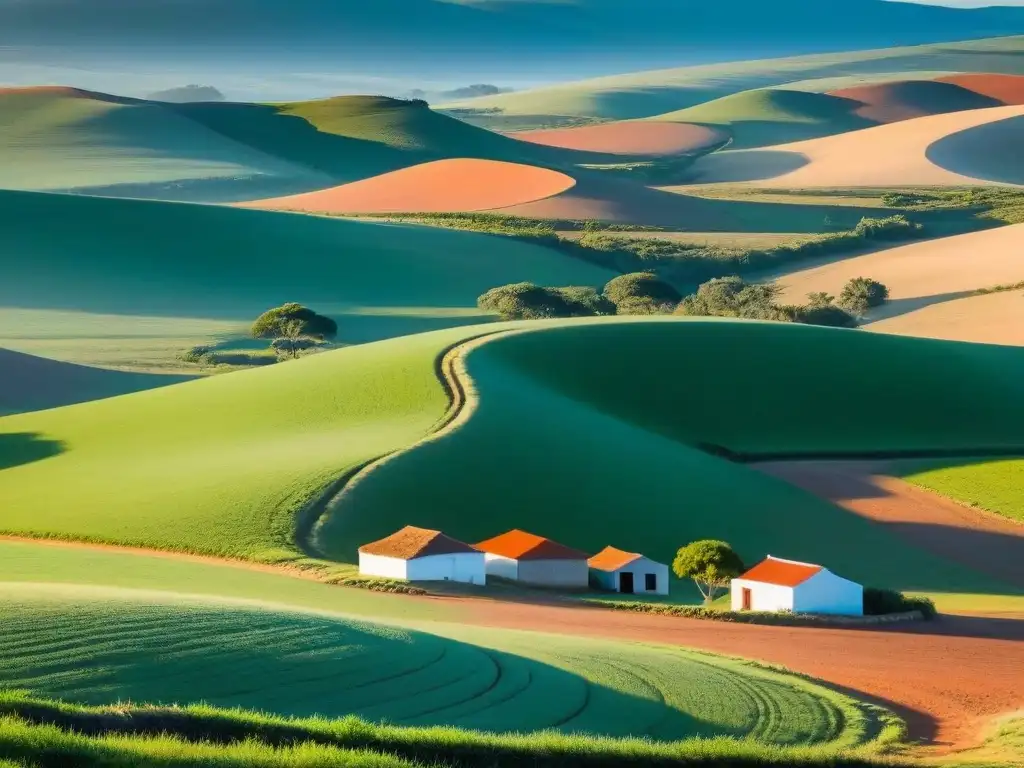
(745, 165)
(18, 448)
(989, 152)
(897, 307)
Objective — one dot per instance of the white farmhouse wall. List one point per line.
(825, 592)
(763, 597)
(384, 567)
(467, 567)
(502, 567)
(555, 573)
(639, 568)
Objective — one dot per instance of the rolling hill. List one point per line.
(30, 383)
(197, 267)
(658, 92)
(241, 455)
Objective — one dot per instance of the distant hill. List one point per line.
(188, 93)
(434, 36)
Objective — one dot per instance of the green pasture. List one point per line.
(52, 141)
(95, 646)
(587, 425)
(773, 116)
(996, 485)
(132, 282)
(646, 94)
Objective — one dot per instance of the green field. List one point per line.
(646, 94)
(127, 282)
(100, 646)
(560, 393)
(773, 116)
(996, 485)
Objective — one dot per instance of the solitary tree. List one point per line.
(293, 320)
(711, 564)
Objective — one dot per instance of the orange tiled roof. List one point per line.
(412, 542)
(611, 559)
(785, 573)
(520, 545)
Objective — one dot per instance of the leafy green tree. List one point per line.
(861, 294)
(641, 293)
(711, 564)
(524, 301)
(819, 299)
(293, 319)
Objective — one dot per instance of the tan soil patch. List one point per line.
(895, 155)
(945, 678)
(980, 540)
(442, 186)
(632, 138)
(995, 318)
(923, 273)
(1008, 89)
(907, 99)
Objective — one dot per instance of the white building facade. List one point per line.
(628, 573)
(789, 585)
(420, 554)
(531, 559)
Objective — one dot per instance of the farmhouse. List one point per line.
(532, 559)
(628, 572)
(419, 554)
(788, 585)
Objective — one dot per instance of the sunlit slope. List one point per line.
(221, 465)
(29, 383)
(100, 646)
(645, 94)
(140, 258)
(61, 139)
(588, 433)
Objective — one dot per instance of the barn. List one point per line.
(532, 559)
(628, 572)
(420, 554)
(776, 584)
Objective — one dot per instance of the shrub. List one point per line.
(878, 602)
(824, 314)
(278, 322)
(523, 301)
(734, 297)
(861, 294)
(711, 564)
(583, 301)
(198, 354)
(897, 227)
(641, 289)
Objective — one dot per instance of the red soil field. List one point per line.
(1008, 89)
(629, 138)
(947, 678)
(441, 186)
(907, 99)
(979, 540)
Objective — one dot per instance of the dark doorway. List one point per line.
(626, 583)
(651, 582)
(747, 599)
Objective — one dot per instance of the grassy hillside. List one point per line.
(996, 485)
(645, 94)
(620, 412)
(29, 383)
(773, 116)
(188, 274)
(54, 139)
(122, 645)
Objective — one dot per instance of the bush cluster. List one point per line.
(637, 293)
(878, 602)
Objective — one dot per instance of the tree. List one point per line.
(291, 340)
(584, 301)
(641, 293)
(296, 320)
(711, 564)
(861, 294)
(825, 314)
(734, 297)
(819, 299)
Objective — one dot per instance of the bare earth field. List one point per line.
(994, 318)
(633, 139)
(955, 149)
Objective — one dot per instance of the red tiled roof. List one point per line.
(520, 545)
(785, 573)
(412, 542)
(611, 559)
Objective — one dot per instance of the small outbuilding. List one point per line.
(776, 584)
(628, 572)
(420, 554)
(532, 559)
